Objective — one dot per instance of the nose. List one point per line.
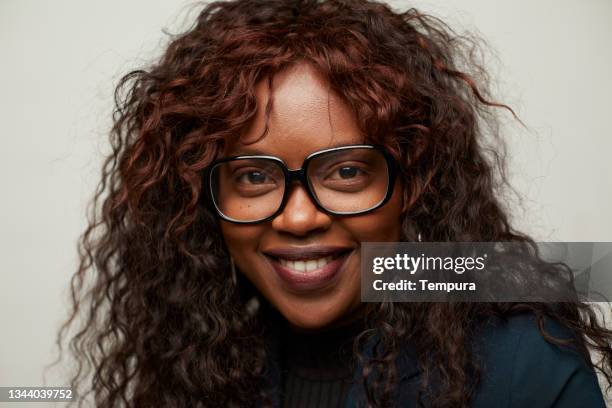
(300, 215)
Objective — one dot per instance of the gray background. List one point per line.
(60, 60)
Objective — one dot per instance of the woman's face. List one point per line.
(306, 117)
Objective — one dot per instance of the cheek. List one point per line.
(241, 240)
(380, 225)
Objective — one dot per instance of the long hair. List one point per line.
(155, 319)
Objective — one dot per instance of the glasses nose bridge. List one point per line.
(298, 175)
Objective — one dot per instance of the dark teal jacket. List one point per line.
(518, 369)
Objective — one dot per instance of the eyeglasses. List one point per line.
(344, 180)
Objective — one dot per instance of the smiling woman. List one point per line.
(248, 166)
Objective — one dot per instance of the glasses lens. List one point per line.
(248, 189)
(349, 180)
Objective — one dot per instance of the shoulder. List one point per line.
(519, 367)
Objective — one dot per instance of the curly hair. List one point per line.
(154, 321)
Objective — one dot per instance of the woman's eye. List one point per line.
(346, 173)
(253, 177)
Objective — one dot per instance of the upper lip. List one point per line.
(307, 252)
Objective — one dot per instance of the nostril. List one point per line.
(301, 222)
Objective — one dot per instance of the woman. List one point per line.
(217, 274)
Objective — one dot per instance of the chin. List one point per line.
(306, 317)
(309, 324)
(301, 320)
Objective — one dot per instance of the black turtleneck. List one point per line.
(317, 367)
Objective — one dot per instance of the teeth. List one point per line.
(307, 265)
(311, 265)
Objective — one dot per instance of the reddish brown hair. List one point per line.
(161, 325)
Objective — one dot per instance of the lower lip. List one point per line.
(313, 280)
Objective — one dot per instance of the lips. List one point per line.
(308, 268)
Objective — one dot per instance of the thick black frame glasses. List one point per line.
(301, 175)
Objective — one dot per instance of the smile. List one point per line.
(308, 268)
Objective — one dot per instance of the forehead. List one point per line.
(305, 116)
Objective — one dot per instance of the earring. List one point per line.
(233, 272)
(419, 237)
